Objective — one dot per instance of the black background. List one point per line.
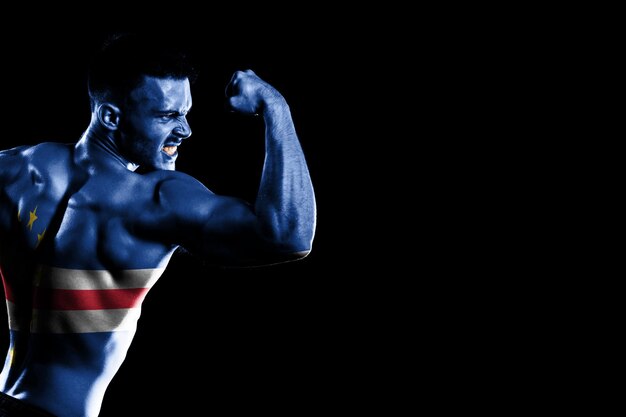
(278, 339)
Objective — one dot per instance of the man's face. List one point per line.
(154, 122)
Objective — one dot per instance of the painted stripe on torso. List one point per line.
(85, 301)
(13, 313)
(53, 299)
(76, 279)
(84, 321)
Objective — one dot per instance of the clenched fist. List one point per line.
(248, 94)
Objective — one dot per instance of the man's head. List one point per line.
(139, 90)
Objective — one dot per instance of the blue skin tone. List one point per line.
(95, 213)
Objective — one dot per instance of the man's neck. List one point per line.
(98, 148)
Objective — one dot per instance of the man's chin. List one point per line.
(170, 166)
(168, 162)
(155, 167)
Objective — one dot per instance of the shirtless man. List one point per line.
(83, 237)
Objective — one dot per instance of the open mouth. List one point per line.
(170, 150)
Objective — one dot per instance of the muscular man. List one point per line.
(83, 236)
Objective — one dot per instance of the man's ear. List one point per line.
(109, 116)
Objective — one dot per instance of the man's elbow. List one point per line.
(290, 238)
(295, 248)
(301, 254)
(291, 242)
(271, 256)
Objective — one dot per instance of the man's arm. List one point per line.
(285, 203)
(281, 224)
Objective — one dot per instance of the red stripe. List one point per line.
(7, 289)
(53, 299)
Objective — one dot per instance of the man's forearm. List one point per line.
(285, 203)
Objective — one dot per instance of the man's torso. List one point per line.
(78, 254)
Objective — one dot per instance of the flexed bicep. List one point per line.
(231, 234)
(223, 230)
(280, 226)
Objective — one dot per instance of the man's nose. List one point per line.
(183, 130)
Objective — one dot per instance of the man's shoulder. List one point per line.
(45, 152)
(177, 190)
(41, 161)
(173, 179)
(13, 155)
(13, 151)
(15, 160)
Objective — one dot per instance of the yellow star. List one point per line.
(33, 217)
(40, 236)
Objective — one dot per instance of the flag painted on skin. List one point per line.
(86, 301)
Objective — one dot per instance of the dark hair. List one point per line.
(125, 58)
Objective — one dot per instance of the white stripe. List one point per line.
(14, 317)
(84, 321)
(77, 279)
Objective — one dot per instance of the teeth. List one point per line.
(170, 150)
